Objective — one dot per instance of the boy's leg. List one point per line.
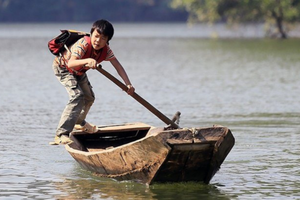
(89, 98)
(75, 104)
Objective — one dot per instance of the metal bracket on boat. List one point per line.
(194, 132)
(175, 119)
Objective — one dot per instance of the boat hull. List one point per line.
(146, 154)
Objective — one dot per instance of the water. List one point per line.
(249, 85)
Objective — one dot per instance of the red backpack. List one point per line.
(67, 37)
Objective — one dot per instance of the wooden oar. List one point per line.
(138, 98)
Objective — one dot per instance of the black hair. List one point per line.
(103, 27)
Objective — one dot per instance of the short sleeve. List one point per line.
(110, 54)
(79, 48)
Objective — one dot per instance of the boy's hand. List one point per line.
(91, 63)
(130, 90)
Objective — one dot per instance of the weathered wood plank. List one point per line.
(222, 148)
(138, 157)
(116, 128)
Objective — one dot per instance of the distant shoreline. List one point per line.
(144, 30)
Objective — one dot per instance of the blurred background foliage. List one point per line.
(279, 16)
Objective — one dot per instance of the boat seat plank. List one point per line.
(116, 128)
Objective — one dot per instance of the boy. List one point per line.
(70, 70)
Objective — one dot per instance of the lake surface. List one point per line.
(250, 85)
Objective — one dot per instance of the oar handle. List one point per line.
(138, 98)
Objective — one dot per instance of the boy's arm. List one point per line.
(121, 71)
(88, 62)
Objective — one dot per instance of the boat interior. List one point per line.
(108, 137)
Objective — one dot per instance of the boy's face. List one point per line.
(98, 40)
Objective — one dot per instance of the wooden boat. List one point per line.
(146, 154)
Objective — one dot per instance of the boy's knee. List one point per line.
(77, 98)
(89, 101)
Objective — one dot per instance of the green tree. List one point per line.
(278, 15)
